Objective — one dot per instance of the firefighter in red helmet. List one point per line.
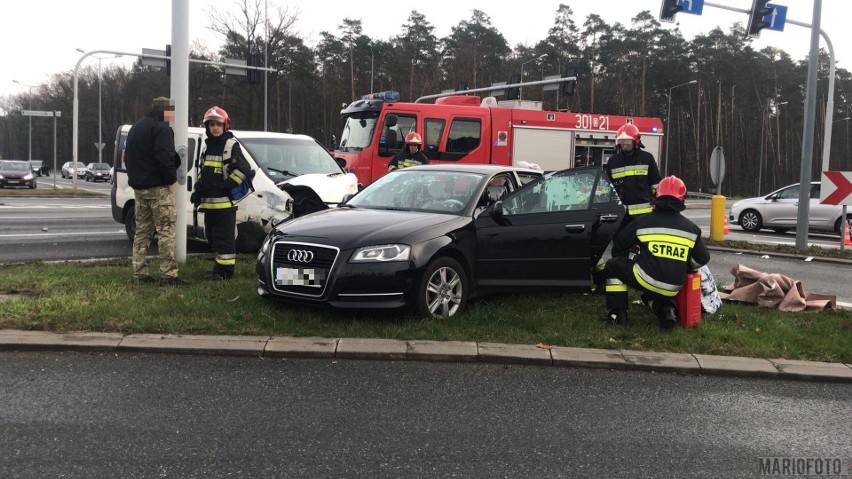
(411, 154)
(665, 246)
(634, 174)
(223, 170)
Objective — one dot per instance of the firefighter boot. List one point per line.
(668, 317)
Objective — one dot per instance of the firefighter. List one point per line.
(664, 246)
(411, 154)
(634, 174)
(223, 168)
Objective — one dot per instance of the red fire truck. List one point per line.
(471, 129)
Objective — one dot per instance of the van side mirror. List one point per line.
(340, 162)
(391, 120)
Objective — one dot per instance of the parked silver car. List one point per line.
(779, 211)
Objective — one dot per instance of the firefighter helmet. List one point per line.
(217, 114)
(672, 186)
(413, 138)
(628, 132)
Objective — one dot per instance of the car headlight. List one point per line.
(28, 176)
(381, 253)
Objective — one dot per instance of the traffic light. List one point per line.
(169, 60)
(513, 93)
(569, 86)
(668, 10)
(756, 23)
(251, 74)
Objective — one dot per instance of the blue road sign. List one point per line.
(693, 7)
(776, 19)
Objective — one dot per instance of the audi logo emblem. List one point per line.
(300, 256)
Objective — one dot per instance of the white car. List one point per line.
(293, 175)
(779, 211)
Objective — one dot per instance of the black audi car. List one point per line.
(433, 236)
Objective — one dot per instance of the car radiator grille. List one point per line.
(303, 260)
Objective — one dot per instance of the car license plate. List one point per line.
(299, 277)
(13, 182)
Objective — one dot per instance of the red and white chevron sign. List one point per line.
(836, 188)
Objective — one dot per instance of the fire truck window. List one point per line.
(434, 130)
(464, 136)
(404, 126)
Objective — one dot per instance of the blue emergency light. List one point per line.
(382, 95)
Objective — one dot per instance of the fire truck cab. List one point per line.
(470, 129)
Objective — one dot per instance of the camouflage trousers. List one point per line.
(155, 210)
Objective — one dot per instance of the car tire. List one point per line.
(130, 223)
(750, 220)
(443, 289)
(249, 237)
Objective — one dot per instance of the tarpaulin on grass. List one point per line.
(773, 290)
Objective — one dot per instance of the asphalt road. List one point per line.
(129, 415)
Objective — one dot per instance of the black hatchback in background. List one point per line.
(431, 237)
(40, 168)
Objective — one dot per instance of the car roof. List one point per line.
(474, 168)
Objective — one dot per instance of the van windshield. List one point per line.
(357, 133)
(284, 158)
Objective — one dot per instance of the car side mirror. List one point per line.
(346, 197)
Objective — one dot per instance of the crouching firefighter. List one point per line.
(665, 245)
(224, 179)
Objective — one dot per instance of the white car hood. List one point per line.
(330, 187)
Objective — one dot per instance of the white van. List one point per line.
(282, 162)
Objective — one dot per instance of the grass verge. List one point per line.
(101, 296)
(52, 193)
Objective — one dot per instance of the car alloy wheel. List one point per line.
(750, 220)
(443, 289)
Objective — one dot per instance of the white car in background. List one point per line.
(68, 169)
(779, 211)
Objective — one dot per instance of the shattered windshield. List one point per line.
(357, 133)
(285, 158)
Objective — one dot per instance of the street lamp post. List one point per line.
(669, 123)
(521, 89)
(371, 68)
(762, 128)
(30, 118)
(100, 144)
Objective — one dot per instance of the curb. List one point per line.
(436, 351)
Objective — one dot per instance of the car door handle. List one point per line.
(608, 218)
(575, 228)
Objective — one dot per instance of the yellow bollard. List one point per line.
(717, 218)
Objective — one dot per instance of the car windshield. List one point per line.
(100, 166)
(285, 158)
(433, 190)
(35, 163)
(14, 166)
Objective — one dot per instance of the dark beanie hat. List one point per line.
(162, 103)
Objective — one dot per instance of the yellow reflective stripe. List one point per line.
(667, 231)
(632, 170)
(238, 180)
(639, 209)
(651, 284)
(212, 163)
(226, 262)
(616, 288)
(215, 203)
(643, 211)
(658, 238)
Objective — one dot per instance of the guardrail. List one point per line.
(703, 196)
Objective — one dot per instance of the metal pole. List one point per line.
(521, 89)
(760, 158)
(668, 125)
(100, 115)
(54, 150)
(180, 95)
(808, 133)
(265, 73)
(31, 126)
(371, 67)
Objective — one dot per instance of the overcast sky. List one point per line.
(39, 37)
